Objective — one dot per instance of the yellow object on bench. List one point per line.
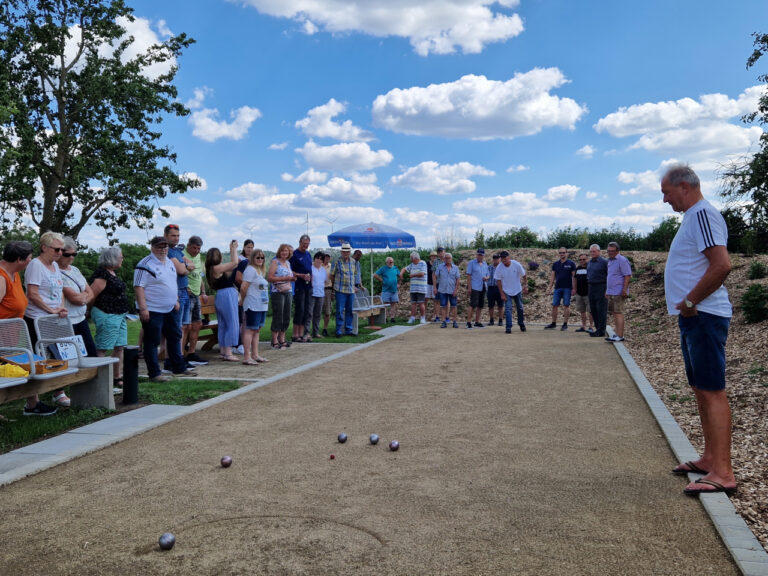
(12, 371)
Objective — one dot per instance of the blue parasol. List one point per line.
(372, 235)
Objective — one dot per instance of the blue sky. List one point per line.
(445, 116)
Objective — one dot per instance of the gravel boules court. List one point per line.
(518, 454)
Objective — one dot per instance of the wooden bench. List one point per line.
(91, 386)
(206, 311)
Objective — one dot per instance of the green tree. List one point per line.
(660, 238)
(747, 179)
(79, 137)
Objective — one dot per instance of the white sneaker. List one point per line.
(239, 350)
(423, 320)
(411, 320)
(61, 399)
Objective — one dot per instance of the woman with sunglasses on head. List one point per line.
(77, 295)
(45, 285)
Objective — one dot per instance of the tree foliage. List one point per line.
(79, 116)
(747, 179)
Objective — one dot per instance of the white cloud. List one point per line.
(441, 179)
(280, 146)
(344, 157)
(645, 183)
(686, 127)
(586, 151)
(517, 201)
(563, 193)
(144, 37)
(356, 189)
(251, 190)
(319, 123)
(653, 117)
(191, 219)
(194, 176)
(431, 26)
(206, 125)
(478, 108)
(518, 168)
(310, 176)
(590, 195)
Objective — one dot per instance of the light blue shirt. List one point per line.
(447, 278)
(477, 271)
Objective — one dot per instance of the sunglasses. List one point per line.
(55, 249)
(172, 227)
(69, 254)
(258, 257)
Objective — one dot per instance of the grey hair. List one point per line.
(449, 254)
(304, 237)
(415, 254)
(195, 241)
(69, 244)
(614, 245)
(678, 173)
(595, 246)
(110, 257)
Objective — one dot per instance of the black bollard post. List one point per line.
(131, 375)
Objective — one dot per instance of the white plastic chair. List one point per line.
(52, 329)
(14, 339)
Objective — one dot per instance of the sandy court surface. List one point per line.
(520, 454)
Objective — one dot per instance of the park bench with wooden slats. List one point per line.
(207, 311)
(90, 386)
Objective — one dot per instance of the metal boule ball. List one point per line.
(374, 439)
(226, 461)
(394, 445)
(342, 438)
(167, 541)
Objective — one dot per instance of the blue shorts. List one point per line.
(446, 298)
(561, 294)
(494, 297)
(390, 297)
(702, 340)
(185, 309)
(255, 320)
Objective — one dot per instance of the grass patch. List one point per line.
(23, 430)
(183, 392)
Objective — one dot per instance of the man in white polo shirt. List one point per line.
(697, 265)
(154, 282)
(511, 281)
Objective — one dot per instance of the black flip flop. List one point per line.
(691, 468)
(716, 485)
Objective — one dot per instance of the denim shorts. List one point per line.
(194, 310)
(255, 320)
(446, 298)
(702, 340)
(185, 309)
(390, 297)
(561, 294)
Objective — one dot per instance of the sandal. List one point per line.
(307, 339)
(117, 386)
(260, 359)
(250, 363)
(285, 344)
(230, 358)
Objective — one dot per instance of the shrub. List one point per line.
(756, 270)
(753, 304)
(533, 265)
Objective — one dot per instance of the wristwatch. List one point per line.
(689, 304)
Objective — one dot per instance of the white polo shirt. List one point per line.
(702, 227)
(159, 282)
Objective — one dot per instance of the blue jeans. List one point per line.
(163, 324)
(344, 302)
(518, 300)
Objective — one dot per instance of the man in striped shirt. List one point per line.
(417, 270)
(697, 265)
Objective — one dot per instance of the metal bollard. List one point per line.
(130, 375)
